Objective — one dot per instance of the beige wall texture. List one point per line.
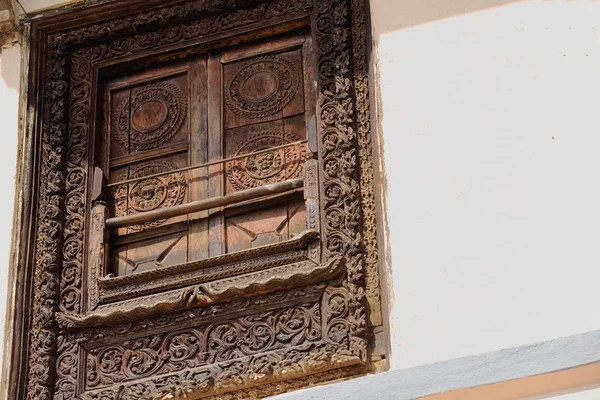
(490, 135)
(10, 78)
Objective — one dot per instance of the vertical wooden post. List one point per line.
(311, 196)
(98, 251)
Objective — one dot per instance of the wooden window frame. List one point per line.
(67, 59)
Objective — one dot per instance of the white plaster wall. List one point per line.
(32, 6)
(491, 134)
(10, 75)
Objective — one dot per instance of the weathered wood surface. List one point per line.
(148, 87)
(206, 204)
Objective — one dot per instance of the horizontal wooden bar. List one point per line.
(208, 164)
(205, 204)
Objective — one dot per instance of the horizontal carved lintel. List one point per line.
(271, 280)
(257, 370)
(291, 275)
(118, 288)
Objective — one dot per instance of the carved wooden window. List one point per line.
(205, 222)
(215, 107)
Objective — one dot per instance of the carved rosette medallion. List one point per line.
(262, 87)
(265, 168)
(149, 194)
(151, 118)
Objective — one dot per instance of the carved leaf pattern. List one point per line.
(50, 224)
(363, 122)
(210, 344)
(199, 316)
(221, 378)
(339, 166)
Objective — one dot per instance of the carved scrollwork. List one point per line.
(227, 376)
(50, 231)
(339, 163)
(169, 352)
(365, 153)
(201, 315)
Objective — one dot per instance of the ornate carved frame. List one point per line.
(66, 61)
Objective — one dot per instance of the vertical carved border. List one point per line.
(340, 204)
(365, 154)
(345, 143)
(72, 273)
(50, 227)
(76, 183)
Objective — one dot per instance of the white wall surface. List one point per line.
(10, 75)
(30, 6)
(491, 126)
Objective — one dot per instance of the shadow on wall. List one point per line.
(393, 15)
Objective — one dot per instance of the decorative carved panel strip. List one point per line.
(174, 351)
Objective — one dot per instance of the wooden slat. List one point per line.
(198, 222)
(216, 236)
(206, 204)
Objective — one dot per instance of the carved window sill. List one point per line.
(242, 262)
(271, 280)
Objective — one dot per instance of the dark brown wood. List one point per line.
(215, 153)
(206, 204)
(198, 228)
(282, 315)
(120, 161)
(149, 136)
(99, 184)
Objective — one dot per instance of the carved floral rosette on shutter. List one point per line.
(261, 295)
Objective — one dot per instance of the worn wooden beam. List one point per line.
(205, 204)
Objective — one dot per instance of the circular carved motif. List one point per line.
(262, 169)
(262, 87)
(149, 116)
(152, 116)
(150, 194)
